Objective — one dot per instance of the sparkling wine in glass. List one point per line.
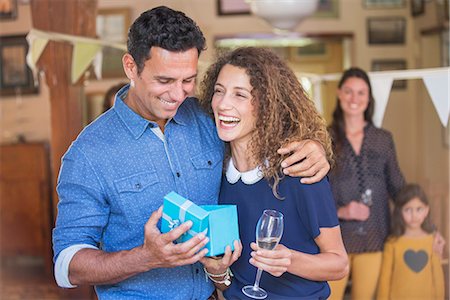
(366, 198)
(268, 234)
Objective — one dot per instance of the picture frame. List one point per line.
(315, 51)
(8, 10)
(327, 9)
(386, 30)
(391, 65)
(383, 4)
(232, 7)
(112, 25)
(15, 75)
(417, 7)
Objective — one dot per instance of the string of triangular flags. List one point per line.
(86, 51)
(436, 80)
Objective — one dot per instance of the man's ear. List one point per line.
(129, 66)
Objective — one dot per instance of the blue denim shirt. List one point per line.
(116, 173)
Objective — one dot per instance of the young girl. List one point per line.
(410, 269)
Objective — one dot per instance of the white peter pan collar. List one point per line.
(249, 177)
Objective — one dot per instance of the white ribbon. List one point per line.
(183, 208)
(174, 223)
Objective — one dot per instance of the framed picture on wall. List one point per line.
(112, 25)
(417, 7)
(15, 75)
(232, 7)
(8, 10)
(386, 30)
(314, 51)
(391, 65)
(383, 3)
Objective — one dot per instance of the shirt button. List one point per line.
(178, 174)
(209, 162)
(196, 271)
(138, 186)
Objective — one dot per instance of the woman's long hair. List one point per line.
(284, 111)
(337, 128)
(406, 194)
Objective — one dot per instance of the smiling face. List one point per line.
(414, 213)
(354, 97)
(164, 83)
(234, 111)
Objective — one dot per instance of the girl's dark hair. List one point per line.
(406, 194)
(337, 128)
(165, 28)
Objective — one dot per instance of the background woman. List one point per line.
(365, 177)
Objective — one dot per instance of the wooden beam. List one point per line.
(74, 17)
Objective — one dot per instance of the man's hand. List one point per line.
(308, 161)
(275, 261)
(159, 250)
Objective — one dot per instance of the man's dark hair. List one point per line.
(166, 28)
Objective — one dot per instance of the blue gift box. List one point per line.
(218, 222)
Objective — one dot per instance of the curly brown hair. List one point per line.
(284, 111)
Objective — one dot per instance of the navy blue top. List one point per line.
(306, 208)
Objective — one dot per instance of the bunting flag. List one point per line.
(36, 47)
(83, 54)
(381, 88)
(438, 85)
(97, 63)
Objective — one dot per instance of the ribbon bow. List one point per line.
(173, 224)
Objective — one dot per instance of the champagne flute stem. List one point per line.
(258, 277)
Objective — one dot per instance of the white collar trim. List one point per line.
(249, 177)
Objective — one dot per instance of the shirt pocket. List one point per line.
(136, 183)
(206, 160)
(135, 197)
(207, 168)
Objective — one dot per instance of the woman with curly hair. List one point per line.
(259, 105)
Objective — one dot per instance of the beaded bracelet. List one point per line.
(226, 276)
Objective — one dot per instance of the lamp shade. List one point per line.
(283, 14)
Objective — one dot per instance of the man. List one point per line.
(115, 174)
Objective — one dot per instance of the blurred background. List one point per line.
(41, 112)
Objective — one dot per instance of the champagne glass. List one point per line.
(268, 234)
(366, 198)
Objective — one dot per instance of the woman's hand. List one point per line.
(274, 262)
(219, 265)
(355, 210)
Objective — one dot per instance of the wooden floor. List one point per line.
(32, 283)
